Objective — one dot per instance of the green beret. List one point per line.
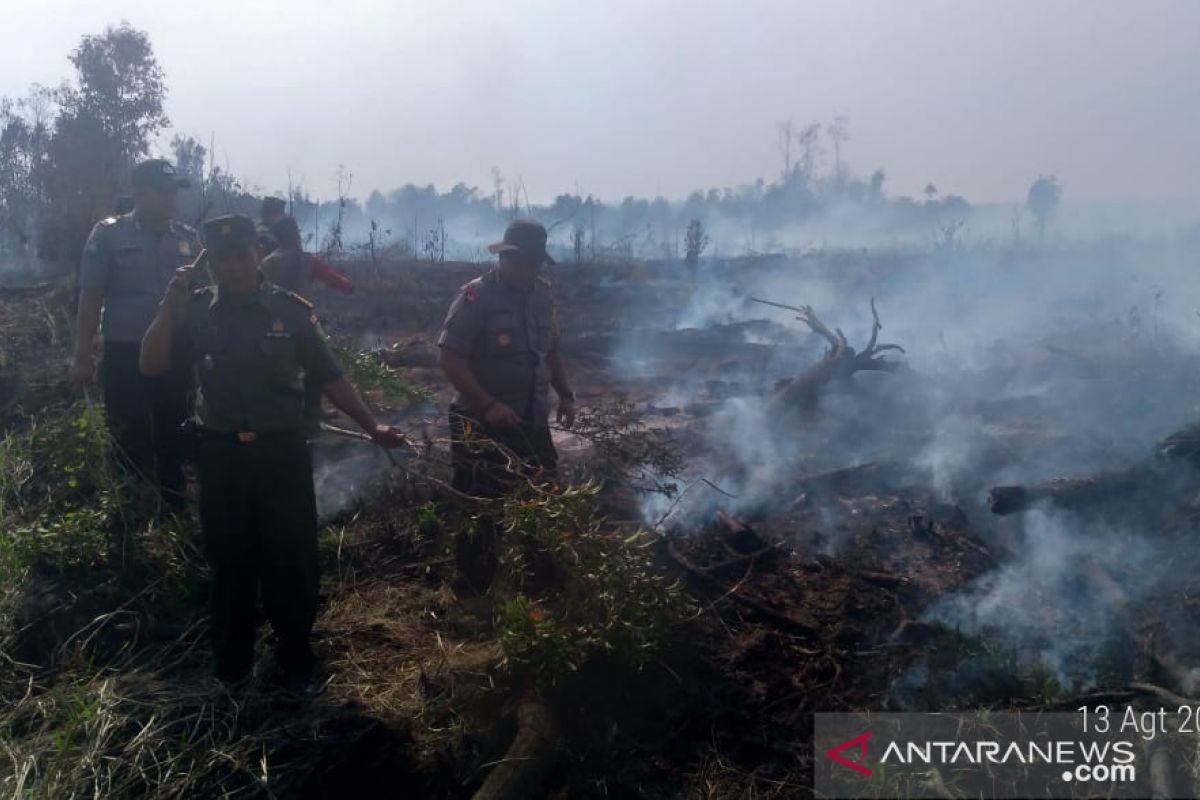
(228, 233)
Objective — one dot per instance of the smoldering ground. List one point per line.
(1024, 361)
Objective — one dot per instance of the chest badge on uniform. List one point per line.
(503, 339)
(185, 249)
(277, 326)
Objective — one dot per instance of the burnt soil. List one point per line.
(813, 600)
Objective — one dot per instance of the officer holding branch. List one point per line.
(253, 346)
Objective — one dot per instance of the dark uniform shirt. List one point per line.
(131, 265)
(253, 356)
(506, 335)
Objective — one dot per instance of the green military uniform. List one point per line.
(252, 356)
(129, 265)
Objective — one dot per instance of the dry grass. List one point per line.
(119, 709)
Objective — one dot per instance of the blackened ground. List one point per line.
(810, 597)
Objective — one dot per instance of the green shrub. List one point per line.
(605, 597)
(58, 490)
(368, 372)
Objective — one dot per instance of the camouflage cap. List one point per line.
(157, 173)
(228, 233)
(525, 236)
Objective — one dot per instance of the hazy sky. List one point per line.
(619, 97)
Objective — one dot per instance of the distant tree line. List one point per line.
(65, 154)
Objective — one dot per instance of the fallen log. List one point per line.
(1077, 493)
(522, 771)
(1172, 471)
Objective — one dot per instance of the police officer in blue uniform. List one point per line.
(127, 262)
(500, 350)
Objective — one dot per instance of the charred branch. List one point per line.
(766, 613)
(840, 362)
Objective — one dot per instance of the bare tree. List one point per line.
(809, 140)
(786, 131)
(497, 188)
(839, 133)
(695, 240)
(434, 246)
(577, 240)
(333, 242)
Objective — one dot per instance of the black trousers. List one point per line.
(483, 469)
(258, 513)
(144, 415)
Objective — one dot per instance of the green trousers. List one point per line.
(259, 518)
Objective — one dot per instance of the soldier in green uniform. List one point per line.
(126, 265)
(253, 346)
(499, 348)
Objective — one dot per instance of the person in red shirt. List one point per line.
(293, 269)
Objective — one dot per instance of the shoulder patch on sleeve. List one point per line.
(470, 292)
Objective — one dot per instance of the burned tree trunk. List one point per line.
(1071, 493)
(1172, 474)
(839, 363)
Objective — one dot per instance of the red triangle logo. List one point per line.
(860, 742)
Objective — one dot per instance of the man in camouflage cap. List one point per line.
(499, 348)
(126, 265)
(253, 346)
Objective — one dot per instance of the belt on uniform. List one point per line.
(246, 437)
